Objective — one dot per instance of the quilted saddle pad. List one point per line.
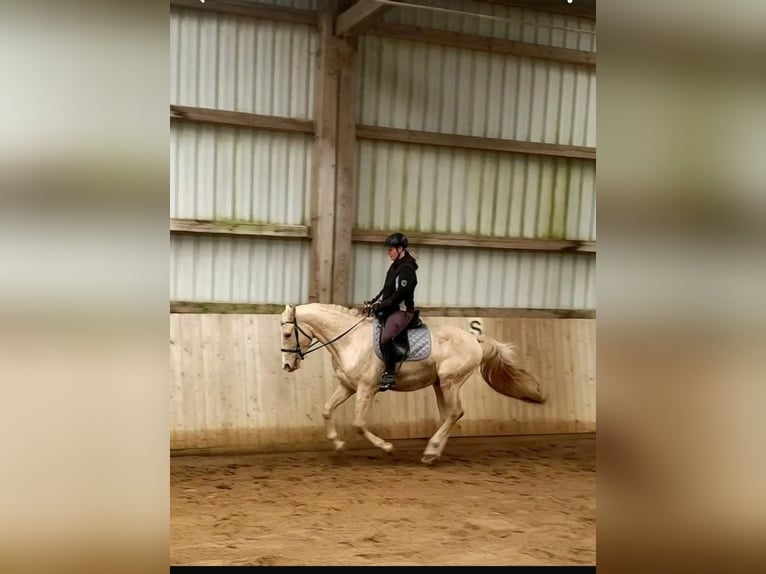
(420, 342)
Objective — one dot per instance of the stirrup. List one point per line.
(387, 381)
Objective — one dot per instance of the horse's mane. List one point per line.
(350, 311)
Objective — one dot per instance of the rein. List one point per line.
(298, 349)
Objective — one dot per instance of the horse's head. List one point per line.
(295, 339)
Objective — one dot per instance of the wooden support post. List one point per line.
(345, 204)
(324, 158)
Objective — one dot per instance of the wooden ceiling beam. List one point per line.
(358, 16)
(578, 8)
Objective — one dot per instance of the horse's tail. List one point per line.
(499, 369)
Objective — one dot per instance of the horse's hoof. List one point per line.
(429, 458)
(340, 445)
(387, 447)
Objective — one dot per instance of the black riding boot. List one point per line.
(388, 378)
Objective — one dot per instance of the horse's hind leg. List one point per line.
(364, 394)
(453, 411)
(338, 397)
(439, 400)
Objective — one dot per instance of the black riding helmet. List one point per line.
(396, 240)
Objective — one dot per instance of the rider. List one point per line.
(395, 304)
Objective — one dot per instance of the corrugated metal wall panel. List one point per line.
(238, 269)
(522, 25)
(485, 278)
(446, 190)
(243, 64)
(412, 85)
(228, 388)
(224, 173)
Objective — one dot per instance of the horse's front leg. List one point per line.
(338, 397)
(364, 395)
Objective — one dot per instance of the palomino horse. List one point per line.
(455, 355)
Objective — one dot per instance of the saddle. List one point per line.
(401, 343)
(412, 344)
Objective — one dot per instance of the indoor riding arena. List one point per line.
(305, 132)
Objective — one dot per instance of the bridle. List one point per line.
(296, 329)
(297, 349)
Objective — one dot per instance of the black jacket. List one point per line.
(399, 286)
